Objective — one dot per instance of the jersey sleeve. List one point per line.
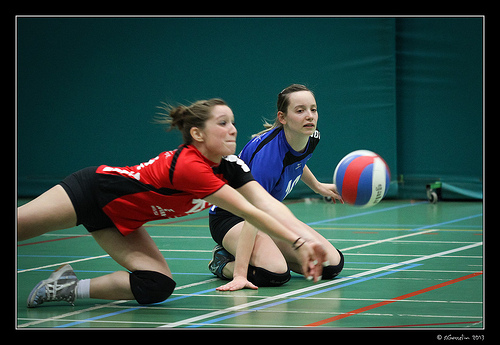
(235, 171)
(194, 176)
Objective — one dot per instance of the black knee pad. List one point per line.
(330, 272)
(262, 277)
(151, 287)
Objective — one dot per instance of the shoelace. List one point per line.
(52, 289)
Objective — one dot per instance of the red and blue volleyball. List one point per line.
(362, 178)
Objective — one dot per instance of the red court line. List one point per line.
(177, 221)
(171, 222)
(430, 324)
(392, 300)
(69, 237)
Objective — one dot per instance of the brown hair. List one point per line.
(282, 105)
(184, 117)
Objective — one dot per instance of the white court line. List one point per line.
(417, 255)
(61, 263)
(107, 305)
(396, 241)
(387, 240)
(328, 239)
(107, 255)
(313, 287)
(152, 236)
(247, 304)
(70, 314)
(201, 251)
(186, 250)
(193, 284)
(209, 251)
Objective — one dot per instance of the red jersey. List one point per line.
(173, 184)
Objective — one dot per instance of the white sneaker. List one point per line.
(60, 286)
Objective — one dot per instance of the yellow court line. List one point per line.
(179, 225)
(392, 229)
(318, 228)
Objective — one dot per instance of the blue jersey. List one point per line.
(273, 162)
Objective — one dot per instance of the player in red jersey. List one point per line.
(113, 203)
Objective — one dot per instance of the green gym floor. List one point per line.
(408, 264)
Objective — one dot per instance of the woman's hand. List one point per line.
(237, 283)
(323, 189)
(313, 258)
(328, 190)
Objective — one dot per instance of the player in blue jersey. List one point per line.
(277, 158)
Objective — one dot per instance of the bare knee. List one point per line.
(268, 266)
(267, 255)
(279, 265)
(333, 255)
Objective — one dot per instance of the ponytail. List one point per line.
(184, 117)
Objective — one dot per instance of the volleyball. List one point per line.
(362, 178)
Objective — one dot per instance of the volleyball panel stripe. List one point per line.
(340, 171)
(351, 178)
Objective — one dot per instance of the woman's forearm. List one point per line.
(244, 250)
(234, 202)
(309, 179)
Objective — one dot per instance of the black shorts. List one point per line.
(82, 189)
(221, 222)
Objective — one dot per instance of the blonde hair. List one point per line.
(184, 117)
(282, 104)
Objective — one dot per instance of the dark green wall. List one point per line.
(440, 102)
(88, 88)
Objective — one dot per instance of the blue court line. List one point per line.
(360, 280)
(368, 212)
(97, 317)
(200, 273)
(239, 313)
(402, 225)
(293, 298)
(51, 256)
(69, 256)
(96, 271)
(448, 222)
(130, 309)
(194, 274)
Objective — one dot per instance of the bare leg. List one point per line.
(115, 286)
(291, 256)
(136, 251)
(51, 211)
(265, 253)
(272, 254)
